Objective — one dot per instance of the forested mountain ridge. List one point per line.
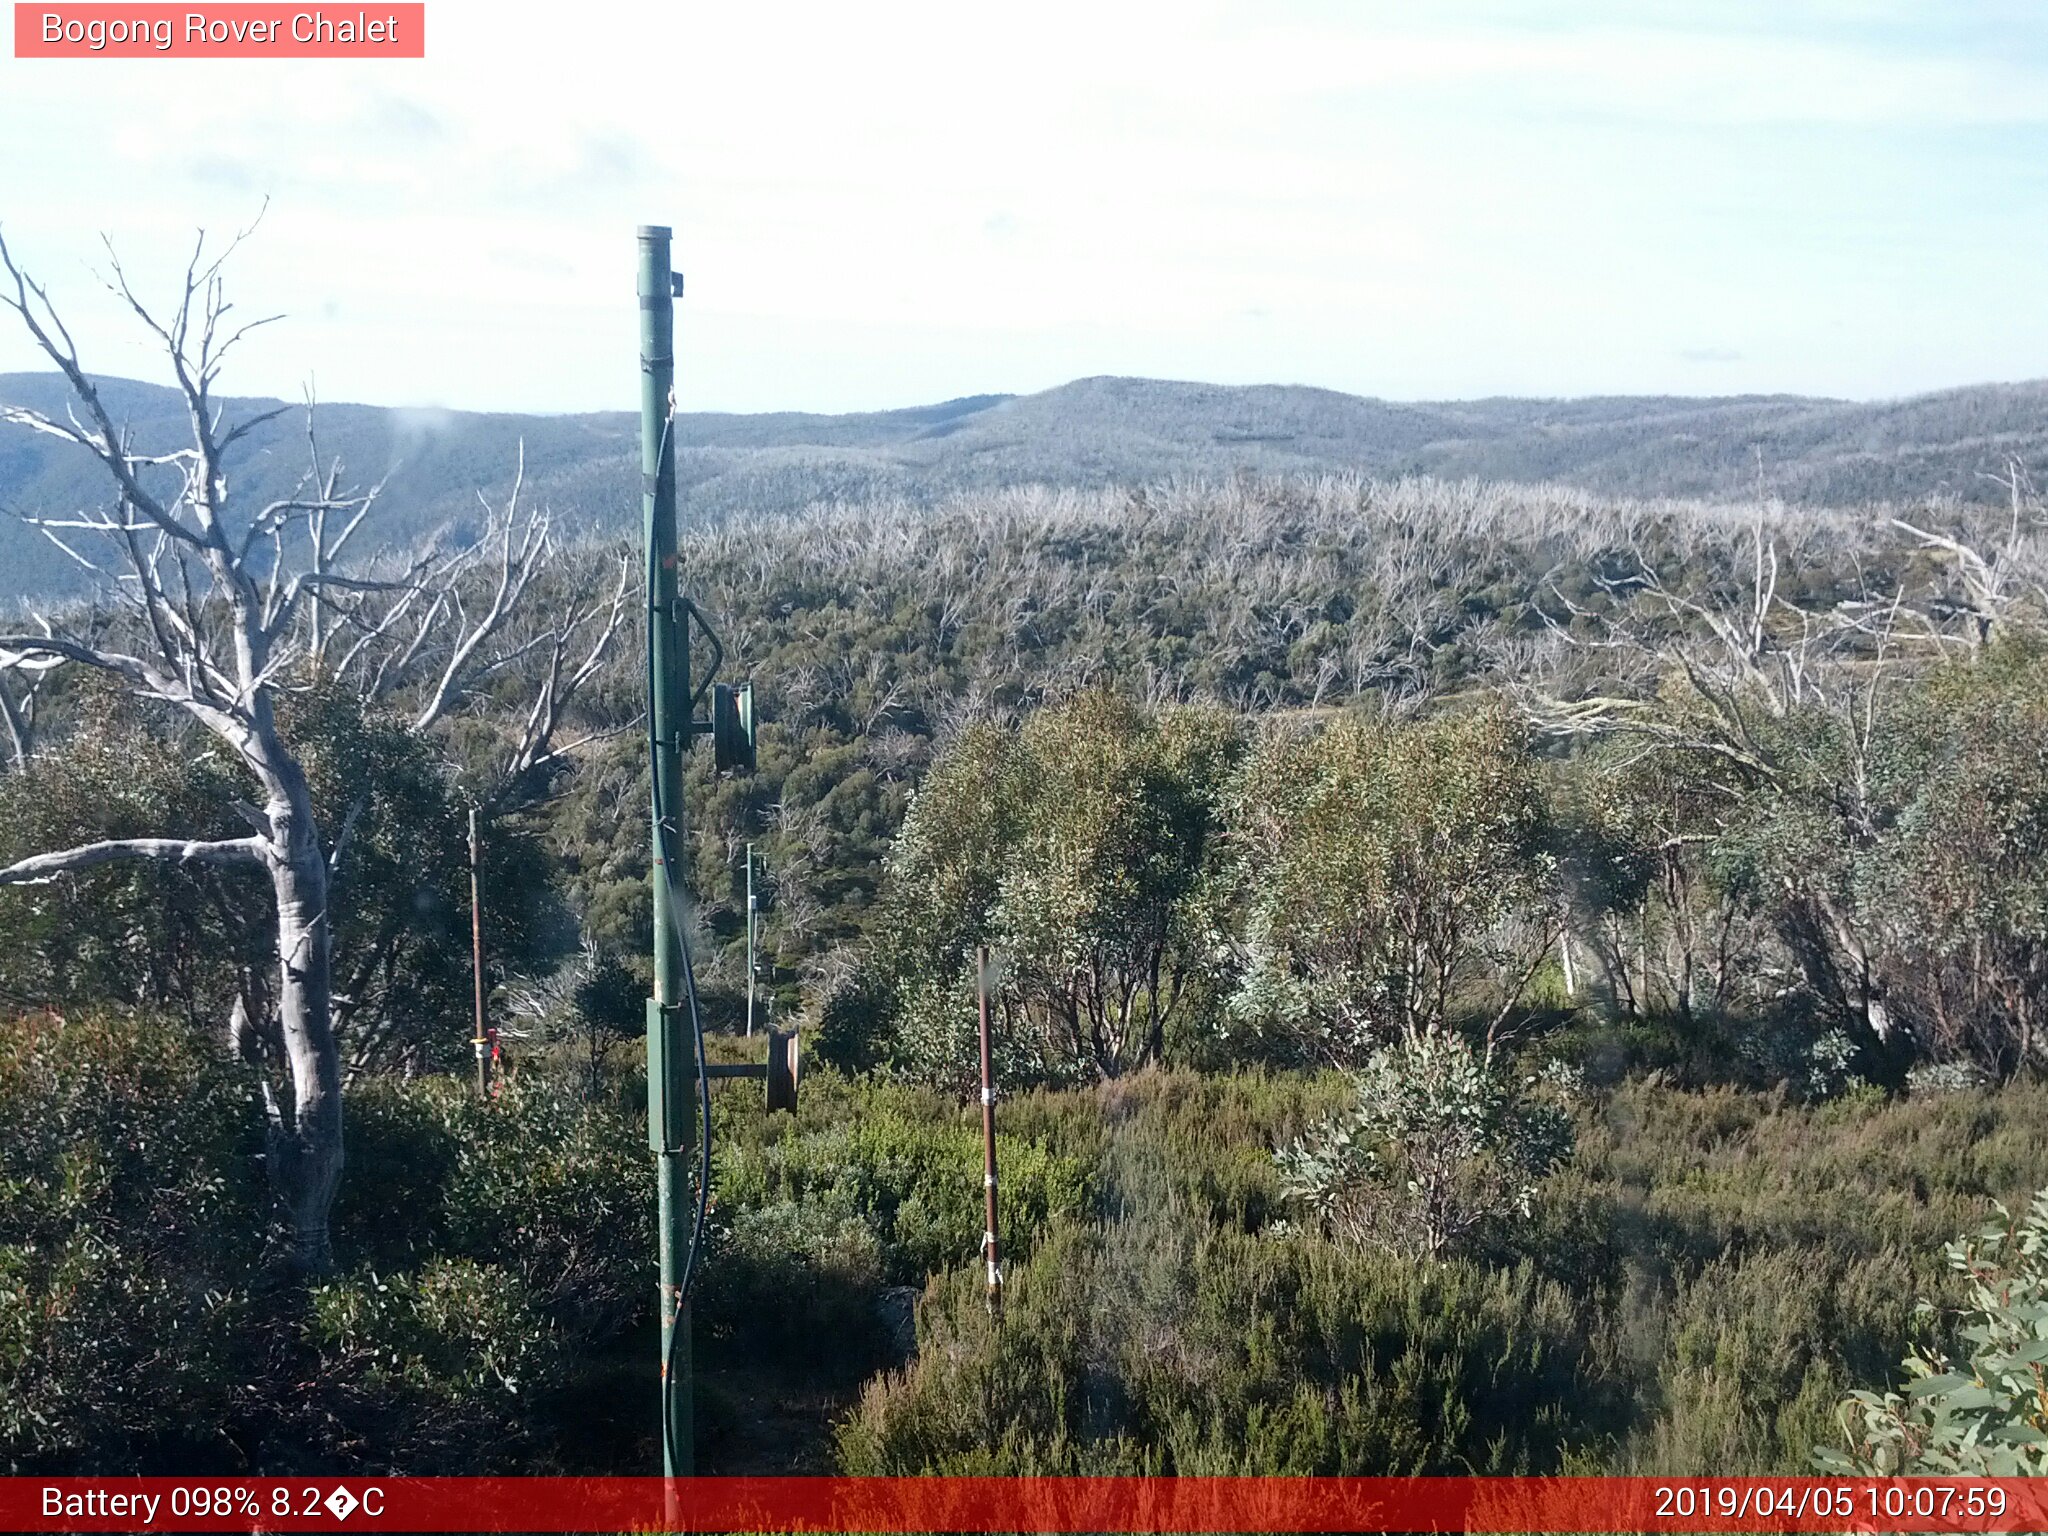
(1089, 433)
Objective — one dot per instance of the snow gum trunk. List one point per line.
(305, 1142)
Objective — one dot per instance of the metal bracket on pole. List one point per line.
(671, 1075)
(780, 1072)
(732, 728)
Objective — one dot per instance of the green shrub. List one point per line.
(504, 1254)
(559, 1192)
(854, 1027)
(1201, 1148)
(134, 933)
(499, 1249)
(1393, 879)
(1984, 1414)
(797, 1281)
(1748, 1356)
(1439, 1141)
(1136, 1348)
(441, 1365)
(907, 1163)
(132, 1225)
(1692, 1293)
(1080, 847)
(538, 1180)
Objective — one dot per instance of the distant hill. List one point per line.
(1091, 432)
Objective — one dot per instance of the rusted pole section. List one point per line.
(476, 961)
(989, 1246)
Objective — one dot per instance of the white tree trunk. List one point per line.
(304, 1144)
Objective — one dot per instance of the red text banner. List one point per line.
(221, 31)
(1022, 1504)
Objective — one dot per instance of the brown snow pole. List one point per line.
(476, 960)
(988, 1141)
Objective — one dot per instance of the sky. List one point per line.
(887, 204)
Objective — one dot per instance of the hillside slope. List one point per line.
(1092, 432)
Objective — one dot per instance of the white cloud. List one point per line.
(939, 198)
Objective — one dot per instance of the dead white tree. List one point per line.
(1718, 677)
(222, 609)
(218, 635)
(20, 686)
(449, 624)
(1995, 578)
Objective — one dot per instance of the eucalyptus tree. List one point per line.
(1394, 880)
(1081, 847)
(1672, 926)
(223, 609)
(1099, 909)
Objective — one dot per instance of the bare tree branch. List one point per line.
(45, 866)
(518, 558)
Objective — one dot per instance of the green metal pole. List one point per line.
(671, 1065)
(751, 973)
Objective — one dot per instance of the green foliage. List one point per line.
(1984, 1414)
(877, 637)
(905, 1164)
(1746, 1356)
(1964, 896)
(1908, 850)
(854, 1024)
(1438, 1141)
(129, 1228)
(784, 1277)
(1382, 877)
(401, 890)
(1078, 846)
(500, 1252)
(1674, 927)
(1094, 914)
(1691, 1293)
(1154, 1341)
(1393, 876)
(1124, 1351)
(140, 933)
(135, 934)
(439, 1361)
(499, 1249)
(538, 1182)
(877, 634)
(945, 874)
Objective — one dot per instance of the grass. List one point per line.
(1693, 1293)
(1696, 1291)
